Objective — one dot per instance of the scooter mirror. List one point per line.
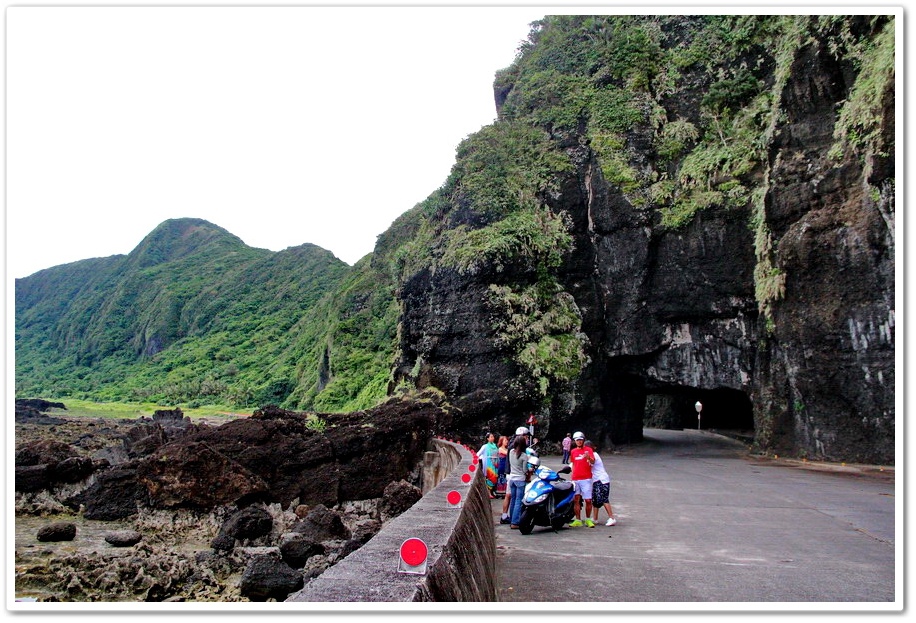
(564, 470)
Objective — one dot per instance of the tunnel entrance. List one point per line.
(727, 411)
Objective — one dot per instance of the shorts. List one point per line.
(583, 488)
(602, 492)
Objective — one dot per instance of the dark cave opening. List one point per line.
(723, 409)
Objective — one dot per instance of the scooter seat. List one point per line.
(562, 485)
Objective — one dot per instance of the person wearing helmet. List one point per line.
(582, 458)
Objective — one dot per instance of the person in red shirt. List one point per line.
(582, 458)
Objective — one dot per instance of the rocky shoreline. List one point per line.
(96, 522)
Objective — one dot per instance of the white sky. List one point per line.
(283, 125)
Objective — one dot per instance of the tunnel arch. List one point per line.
(725, 410)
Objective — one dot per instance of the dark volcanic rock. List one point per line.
(31, 478)
(398, 497)
(39, 404)
(30, 411)
(776, 313)
(143, 439)
(271, 457)
(192, 474)
(115, 494)
(249, 523)
(274, 456)
(73, 469)
(173, 416)
(223, 543)
(297, 548)
(366, 529)
(45, 463)
(46, 451)
(267, 577)
(123, 538)
(322, 524)
(57, 531)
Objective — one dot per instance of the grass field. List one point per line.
(124, 410)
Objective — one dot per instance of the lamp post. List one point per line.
(699, 407)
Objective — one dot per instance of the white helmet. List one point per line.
(578, 435)
(521, 430)
(534, 461)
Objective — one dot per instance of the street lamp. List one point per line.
(699, 407)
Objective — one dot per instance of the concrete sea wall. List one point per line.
(461, 542)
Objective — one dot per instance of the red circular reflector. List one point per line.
(465, 478)
(472, 467)
(413, 552)
(453, 497)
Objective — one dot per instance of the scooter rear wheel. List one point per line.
(526, 523)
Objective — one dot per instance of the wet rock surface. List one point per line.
(157, 527)
(57, 531)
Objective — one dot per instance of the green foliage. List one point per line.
(769, 280)
(505, 167)
(353, 344)
(674, 139)
(535, 237)
(633, 53)
(542, 325)
(551, 99)
(733, 92)
(859, 123)
(678, 112)
(612, 158)
(315, 423)
(615, 111)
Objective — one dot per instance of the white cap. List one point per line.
(578, 435)
(521, 430)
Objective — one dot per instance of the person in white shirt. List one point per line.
(601, 488)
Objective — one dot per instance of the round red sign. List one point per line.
(453, 497)
(413, 552)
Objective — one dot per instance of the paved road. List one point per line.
(701, 521)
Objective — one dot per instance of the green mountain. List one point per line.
(669, 209)
(191, 314)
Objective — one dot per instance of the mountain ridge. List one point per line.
(668, 210)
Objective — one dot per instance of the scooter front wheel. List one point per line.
(526, 523)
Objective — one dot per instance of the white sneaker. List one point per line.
(610, 521)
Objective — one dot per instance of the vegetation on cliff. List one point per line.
(676, 114)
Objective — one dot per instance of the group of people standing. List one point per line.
(506, 463)
(591, 480)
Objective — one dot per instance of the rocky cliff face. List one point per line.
(824, 378)
(777, 313)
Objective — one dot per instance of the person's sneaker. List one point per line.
(504, 520)
(575, 523)
(589, 523)
(610, 521)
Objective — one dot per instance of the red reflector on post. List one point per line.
(454, 499)
(465, 478)
(413, 557)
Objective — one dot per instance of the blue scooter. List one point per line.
(548, 499)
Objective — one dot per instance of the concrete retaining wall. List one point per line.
(461, 565)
